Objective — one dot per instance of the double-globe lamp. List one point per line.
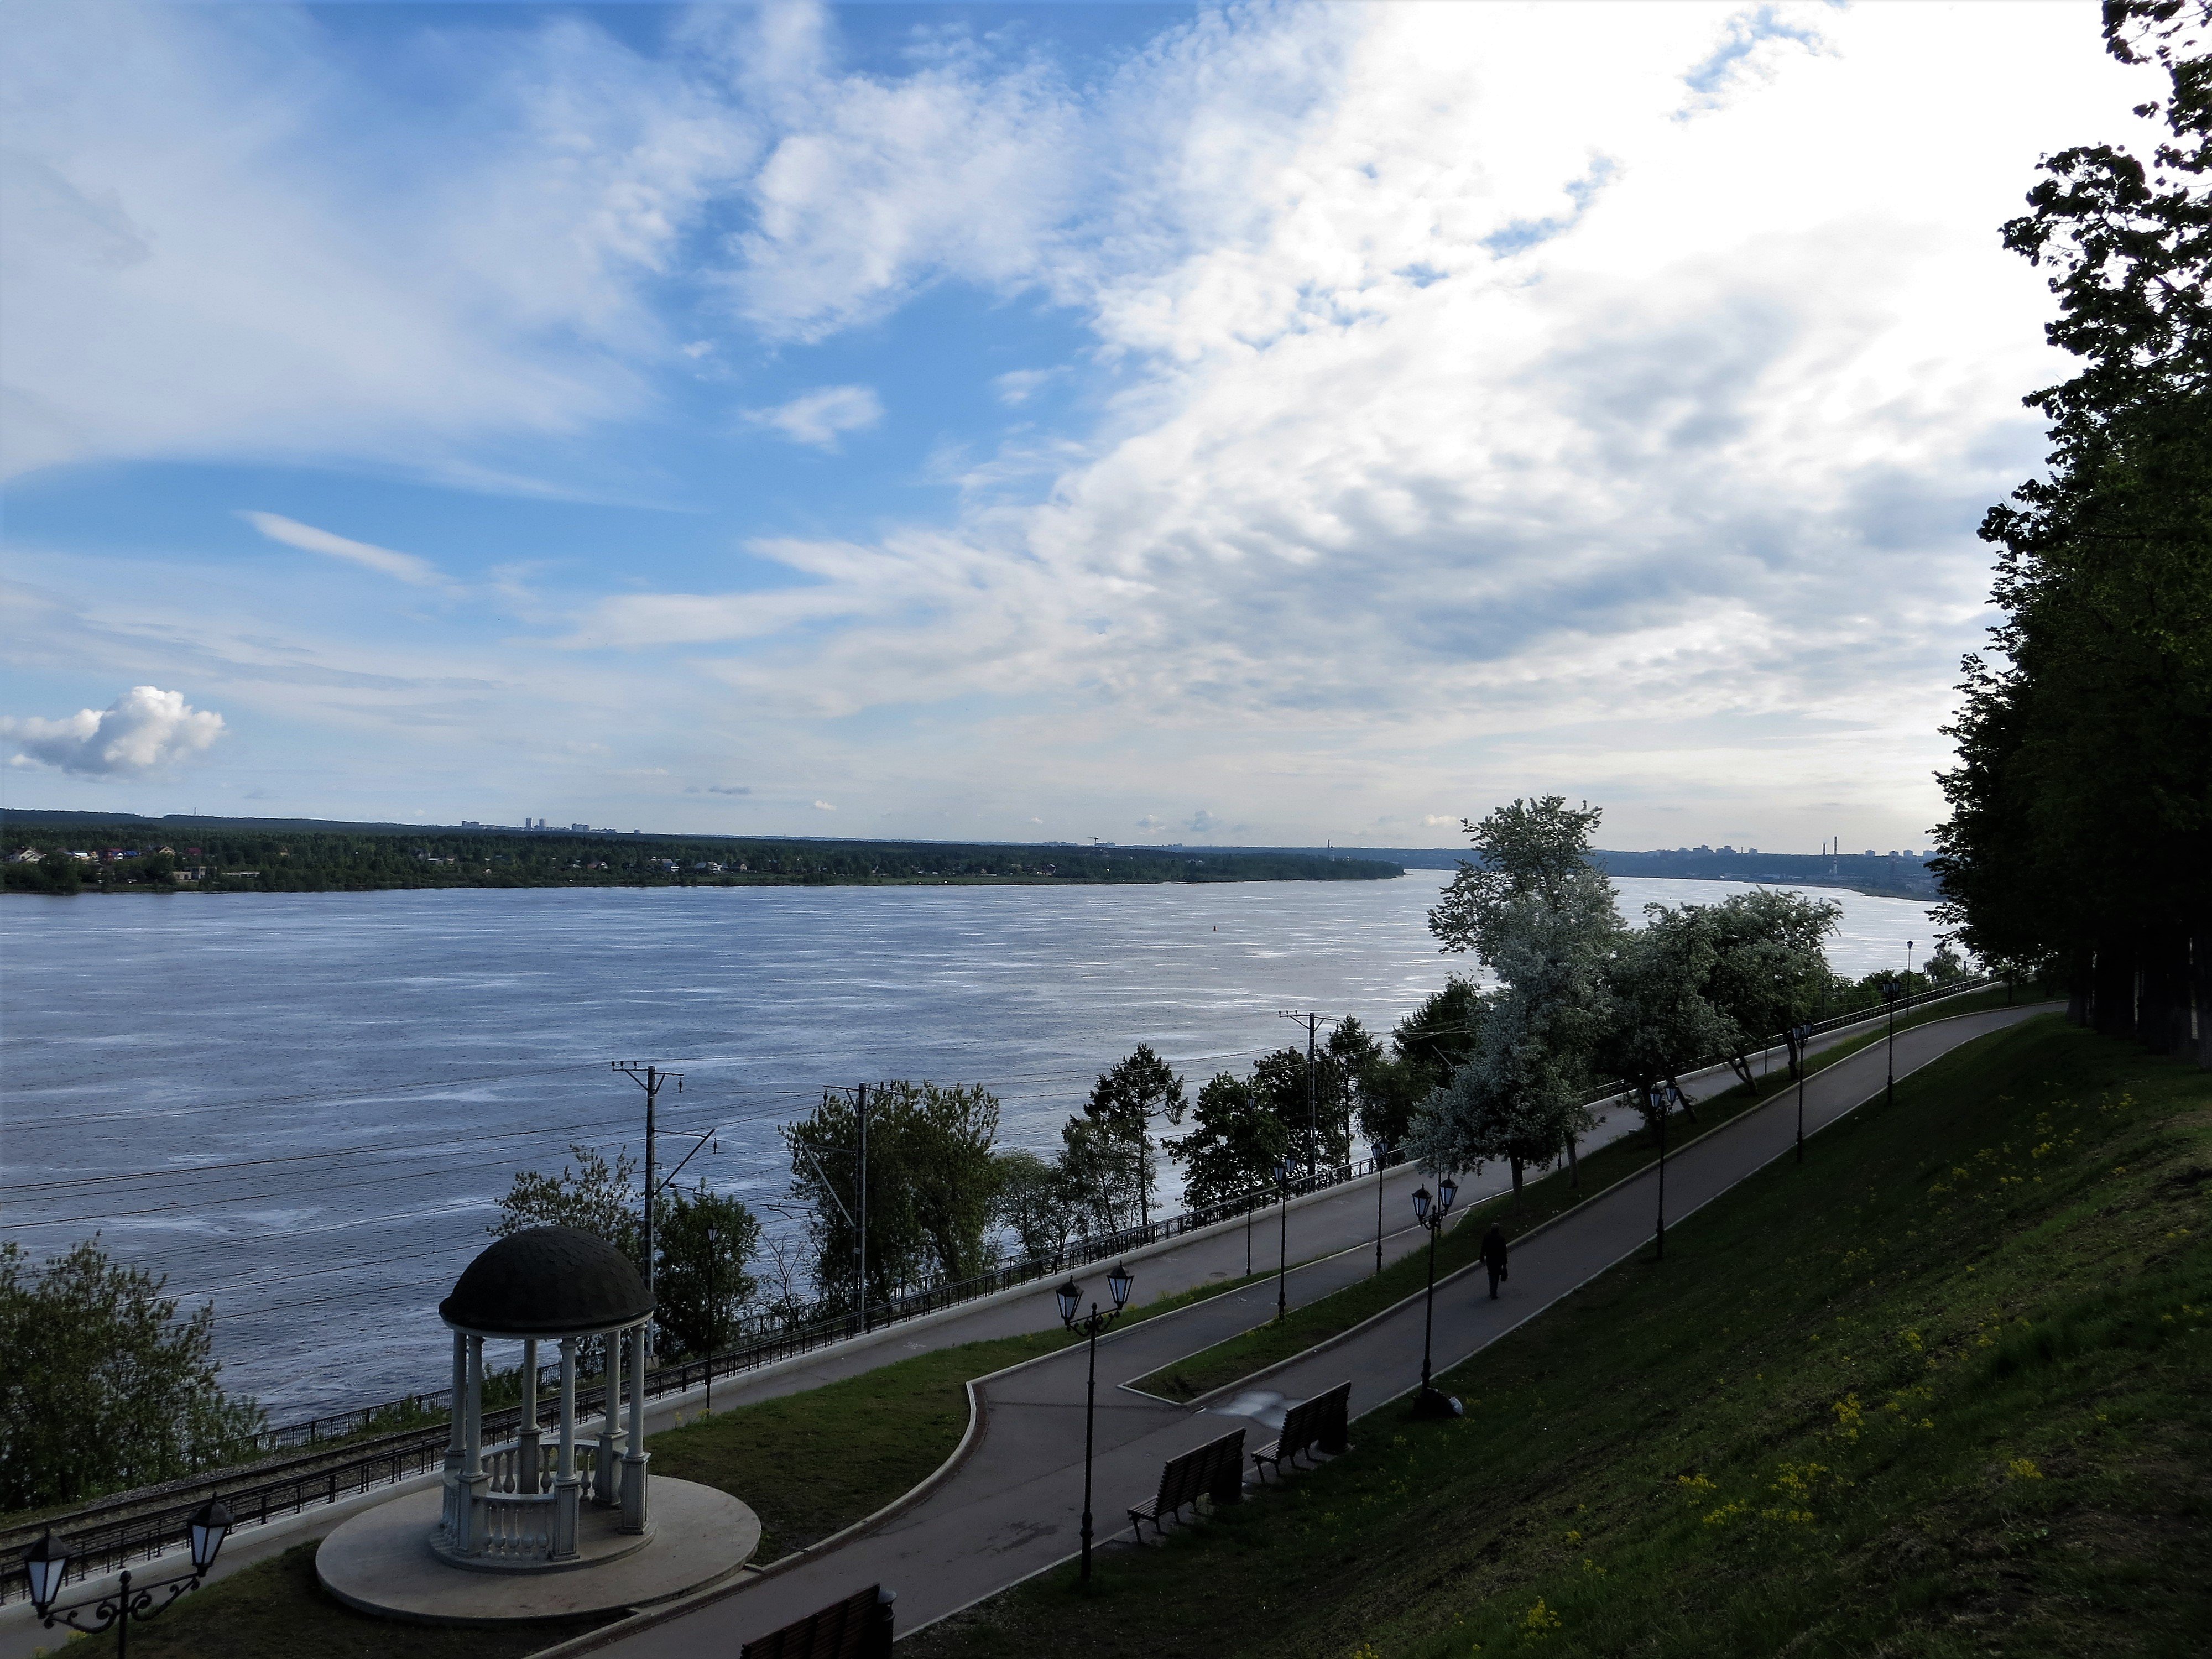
(46, 1562)
(1430, 1213)
(1088, 1326)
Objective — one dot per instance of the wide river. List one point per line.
(303, 1107)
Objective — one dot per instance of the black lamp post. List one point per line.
(47, 1560)
(1889, 994)
(1285, 1173)
(1088, 1326)
(1381, 1150)
(1803, 1034)
(1431, 1213)
(1667, 1097)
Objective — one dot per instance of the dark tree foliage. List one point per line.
(102, 1387)
(2081, 828)
(1108, 1149)
(1426, 1048)
(1235, 1141)
(933, 1186)
(705, 1241)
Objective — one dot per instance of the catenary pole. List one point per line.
(650, 1077)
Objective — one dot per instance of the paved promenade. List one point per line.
(1011, 1509)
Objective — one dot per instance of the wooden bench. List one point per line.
(858, 1628)
(1319, 1423)
(1215, 1470)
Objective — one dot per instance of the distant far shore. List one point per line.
(217, 856)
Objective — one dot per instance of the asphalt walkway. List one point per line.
(1011, 1509)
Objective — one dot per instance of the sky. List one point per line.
(1182, 423)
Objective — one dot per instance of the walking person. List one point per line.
(1494, 1254)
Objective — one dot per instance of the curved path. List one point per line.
(1011, 1508)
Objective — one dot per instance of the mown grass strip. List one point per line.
(1540, 1200)
(1938, 1392)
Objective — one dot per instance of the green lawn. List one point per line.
(1538, 1201)
(810, 1464)
(1939, 1391)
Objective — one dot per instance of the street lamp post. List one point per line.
(1889, 994)
(1431, 1213)
(1381, 1150)
(1668, 1098)
(1285, 1173)
(1088, 1326)
(46, 1561)
(1803, 1034)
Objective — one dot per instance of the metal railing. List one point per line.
(134, 1527)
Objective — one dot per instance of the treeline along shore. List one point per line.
(179, 854)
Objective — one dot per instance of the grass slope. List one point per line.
(1541, 1199)
(1939, 1392)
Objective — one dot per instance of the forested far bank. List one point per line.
(145, 856)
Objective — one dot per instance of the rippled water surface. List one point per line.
(302, 1106)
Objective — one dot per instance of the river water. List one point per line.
(303, 1107)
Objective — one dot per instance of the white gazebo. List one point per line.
(508, 1507)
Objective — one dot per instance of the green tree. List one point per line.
(590, 1195)
(1123, 1105)
(933, 1179)
(1426, 1046)
(705, 1241)
(1358, 1070)
(2082, 801)
(1541, 917)
(1770, 967)
(1661, 1024)
(1236, 1140)
(1032, 1202)
(61, 872)
(102, 1386)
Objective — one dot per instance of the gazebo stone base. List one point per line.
(381, 1562)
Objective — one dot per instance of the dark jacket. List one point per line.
(1493, 1247)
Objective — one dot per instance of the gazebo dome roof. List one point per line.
(547, 1281)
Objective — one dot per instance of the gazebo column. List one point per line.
(525, 1443)
(468, 1539)
(607, 1490)
(563, 1542)
(635, 1517)
(449, 1520)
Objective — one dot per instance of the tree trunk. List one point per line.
(2200, 997)
(1516, 1176)
(2115, 980)
(1740, 1065)
(1574, 1166)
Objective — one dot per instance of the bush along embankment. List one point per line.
(1938, 1391)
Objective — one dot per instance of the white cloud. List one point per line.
(1435, 820)
(817, 417)
(143, 731)
(824, 807)
(405, 567)
(1016, 386)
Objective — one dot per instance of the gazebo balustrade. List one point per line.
(508, 1506)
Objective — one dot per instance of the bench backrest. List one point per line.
(1223, 1469)
(858, 1628)
(1318, 1422)
(1335, 1425)
(1217, 1468)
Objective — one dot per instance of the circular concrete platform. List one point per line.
(381, 1562)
